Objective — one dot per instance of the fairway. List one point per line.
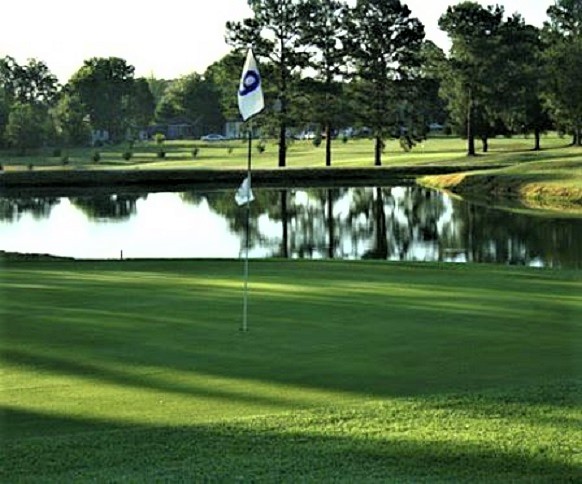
(115, 370)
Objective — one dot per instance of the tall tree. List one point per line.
(324, 29)
(467, 84)
(274, 32)
(385, 46)
(27, 92)
(519, 78)
(194, 98)
(25, 128)
(103, 86)
(563, 56)
(220, 74)
(70, 120)
(141, 103)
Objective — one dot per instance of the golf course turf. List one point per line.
(350, 371)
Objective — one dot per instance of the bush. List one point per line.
(161, 154)
(317, 141)
(229, 150)
(345, 138)
(126, 155)
(159, 138)
(30, 166)
(195, 151)
(57, 152)
(261, 146)
(96, 157)
(65, 159)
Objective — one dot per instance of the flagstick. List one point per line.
(247, 235)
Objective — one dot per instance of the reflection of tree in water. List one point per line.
(11, 209)
(499, 236)
(108, 207)
(404, 223)
(223, 203)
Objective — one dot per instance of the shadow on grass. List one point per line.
(381, 337)
(312, 447)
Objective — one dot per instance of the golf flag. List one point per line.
(244, 194)
(250, 92)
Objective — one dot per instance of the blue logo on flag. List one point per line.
(251, 82)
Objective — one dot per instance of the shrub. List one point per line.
(317, 141)
(261, 146)
(159, 138)
(30, 166)
(57, 152)
(65, 159)
(229, 150)
(345, 138)
(161, 154)
(96, 157)
(195, 151)
(126, 155)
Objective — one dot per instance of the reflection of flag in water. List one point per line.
(244, 194)
(250, 92)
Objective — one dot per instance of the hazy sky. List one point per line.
(167, 39)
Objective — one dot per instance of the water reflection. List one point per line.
(395, 223)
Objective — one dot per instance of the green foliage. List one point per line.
(161, 153)
(57, 152)
(195, 151)
(70, 120)
(192, 97)
(25, 128)
(96, 156)
(563, 36)
(126, 155)
(317, 140)
(275, 33)
(261, 146)
(159, 138)
(104, 86)
(385, 43)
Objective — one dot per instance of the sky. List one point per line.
(164, 39)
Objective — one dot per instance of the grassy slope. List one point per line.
(553, 176)
(351, 370)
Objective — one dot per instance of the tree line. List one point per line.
(329, 64)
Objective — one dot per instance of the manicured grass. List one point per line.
(301, 154)
(117, 370)
(552, 177)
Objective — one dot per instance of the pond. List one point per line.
(404, 223)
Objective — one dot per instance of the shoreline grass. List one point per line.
(116, 370)
(550, 179)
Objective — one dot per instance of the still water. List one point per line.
(393, 223)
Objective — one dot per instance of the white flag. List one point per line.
(244, 194)
(250, 92)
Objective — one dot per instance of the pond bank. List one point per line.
(165, 179)
(553, 186)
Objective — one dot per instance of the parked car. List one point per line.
(212, 137)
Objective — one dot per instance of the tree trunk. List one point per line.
(378, 151)
(470, 132)
(537, 133)
(577, 141)
(485, 141)
(327, 145)
(282, 141)
(330, 226)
